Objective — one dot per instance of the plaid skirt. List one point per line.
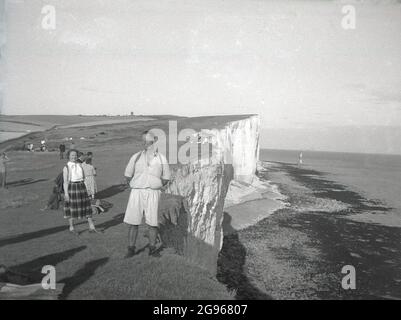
(79, 206)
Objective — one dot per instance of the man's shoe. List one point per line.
(154, 252)
(131, 252)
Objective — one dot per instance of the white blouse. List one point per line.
(75, 172)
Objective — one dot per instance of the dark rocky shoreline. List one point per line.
(299, 254)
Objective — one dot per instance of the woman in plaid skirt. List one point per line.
(77, 204)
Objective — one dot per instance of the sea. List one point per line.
(374, 176)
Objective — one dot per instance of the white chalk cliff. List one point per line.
(204, 184)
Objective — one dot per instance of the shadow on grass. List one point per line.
(230, 265)
(33, 235)
(111, 191)
(81, 276)
(31, 272)
(24, 182)
(116, 220)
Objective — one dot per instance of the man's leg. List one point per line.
(133, 217)
(132, 235)
(152, 236)
(151, 215)
(153, 251)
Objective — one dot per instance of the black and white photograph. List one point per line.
(227, 151)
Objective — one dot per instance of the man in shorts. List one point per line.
(147, 173)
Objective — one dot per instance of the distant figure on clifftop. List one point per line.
(300, 159)
(3, 169)
(62, 150)
(43, 146)
(147, 173)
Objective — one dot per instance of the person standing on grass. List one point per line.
(77, 204)
(147, 173)
(62, 150)
(90, 174)
(3, 169)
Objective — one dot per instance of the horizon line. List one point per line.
(327, 151)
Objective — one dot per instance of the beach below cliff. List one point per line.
(298, 251)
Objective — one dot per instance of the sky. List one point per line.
(291, 62)
(2, 43)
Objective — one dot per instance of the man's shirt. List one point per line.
(146, 175)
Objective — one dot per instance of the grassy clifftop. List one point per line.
(92, 266)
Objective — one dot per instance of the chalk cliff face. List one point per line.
(204, 184)
(238, 144)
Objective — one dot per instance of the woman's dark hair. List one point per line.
(72, 150)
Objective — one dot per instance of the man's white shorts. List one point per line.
(143, 202)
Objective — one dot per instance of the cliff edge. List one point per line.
(204, 183)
